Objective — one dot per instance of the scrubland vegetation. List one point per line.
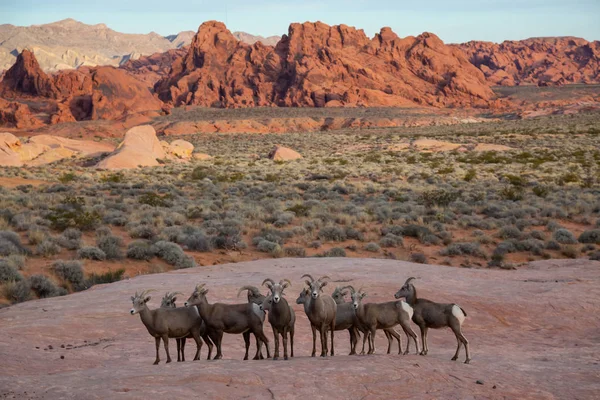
(352, 195)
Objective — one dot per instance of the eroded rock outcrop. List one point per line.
(315, 64)
(281, 153)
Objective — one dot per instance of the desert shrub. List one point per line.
(590, 236)
(267, 246)
(553, 226)
(103, 231)
(372, 247)
(510, 232)
(67, 177)
(570, 252)
(513, 193)
(8, 273)
(198, 242)
(156, 200)
(16, 261)
(439, 197)
(469, 176)
(432, 239)
(91, 253)
(541, 190)
(70, 271)
(418, 258)
(315, 244)
(335, 252)
(107, 277)
(458, 249)
(300, 210)
(173, 254)
(72, 213)
(36, 234)
(44, 287)
(10, 243)
(141, 250)
(552, 245)
(352, 233)
(595, 256)
(116, 218)
(539, 235)
(284, 219)
(111, 246)
(201, 172)
(391, 240)
(332, 233)
(298, 252)
(48, 248)
(17, 292)
(70, 239)
(563, 236)
(142, 232)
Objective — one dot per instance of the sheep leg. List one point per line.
(424, 340)
(372, 340)
(218, 338)
(323, 332)
(409, 334)
(196, 337)
(276, 340)
(398, 339)
(292, 342)
(259, 346)
(389, 339)
(352, 341)
(332, 332)
(460, 339)
(178, 349)
(209, 343)
(365, 337)
(261, 335)
(285, 343)
(166, 344)
(314, 332)
(157, 341)
(183, 340)
(246, 336)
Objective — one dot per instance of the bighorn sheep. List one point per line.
(428, 314)
(229, 318)
(281, 316)
(165, 323)
(254, 297)
(345, 318)
(373, 316)
(168, 301)
(321, 311)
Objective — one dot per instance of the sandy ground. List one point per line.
(534, 333)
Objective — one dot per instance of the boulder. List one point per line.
(52, 155)
(201, 156)
(280, 153)
(86, 148)
(140, 147)
(9, 146)
(180, 149)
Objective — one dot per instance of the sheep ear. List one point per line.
(323, 283)
(363, 295)
(307, 282)
(132, 298)
(147, 299)
(174, 299)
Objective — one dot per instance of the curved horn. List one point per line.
(308, 276)
(199, 286)
(268, 280)
(349, 287)
(252, 289)
(323, 277)
(283, 283)
(409, 280)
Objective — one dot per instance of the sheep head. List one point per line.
(168, 300)
(198, 296)
(139, 301)
(357, 297)
(406, 290)
(339, 293)
(304, 294)
(315, 286)
(254, 294)
(277, 288)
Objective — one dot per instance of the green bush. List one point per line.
(70, 271)
(590, 236)
(155, 200)
(439, 197)
(107, 277)
(48, 248)
(44, 287)
(111, 246)
(335, 252)
(8, 273)
(173, 254)
(332, 233)
(91, 253)
(373, 247)
(563, 236)
(298, 252)
(141, 250)
(17, 292)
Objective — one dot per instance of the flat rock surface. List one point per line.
(534, 334)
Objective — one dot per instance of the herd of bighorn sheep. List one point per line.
(203, 321)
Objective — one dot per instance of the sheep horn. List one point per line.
(323, 277)
(199, 286)
(268, 280)
(348, 287)
(253, 289)
(308, 276)
(409, 280)
(283, 283)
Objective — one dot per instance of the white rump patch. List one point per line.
(407, 308)
(458, 313)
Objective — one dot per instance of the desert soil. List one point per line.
(534, 333)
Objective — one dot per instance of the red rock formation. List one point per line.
(26, 77)
(316, 64)
(542, 61)
(17, 115)
(150, 69)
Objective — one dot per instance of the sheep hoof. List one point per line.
(468, 361)
(285, 357)
(168, 361)
(405, 353)
(155, 362)
(276, 358)
(422, 353)
(454, 358)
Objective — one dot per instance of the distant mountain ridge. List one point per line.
(70, 44)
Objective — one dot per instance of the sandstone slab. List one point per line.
(140, 147)
(280, 153)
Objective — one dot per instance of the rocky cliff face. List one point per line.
(320, 65)
(541, 61)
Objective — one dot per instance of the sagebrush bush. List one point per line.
(48, 248)
(510, 232)
(335, 252)
(459, 249)
(564, 236)
(91, 253)
(44, 287)
(17, 292)
(173, 254)
(10, 243)
(332, 233)
(298, 252)
(418, 258)
(198, 242)
(106, 277)
(590, 236)
(8, 273)
(391, 240)
(111, 246)
(141, 250)
(70, 271)
(372, 247)
(16, 261)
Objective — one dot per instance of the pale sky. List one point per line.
(453, 20)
